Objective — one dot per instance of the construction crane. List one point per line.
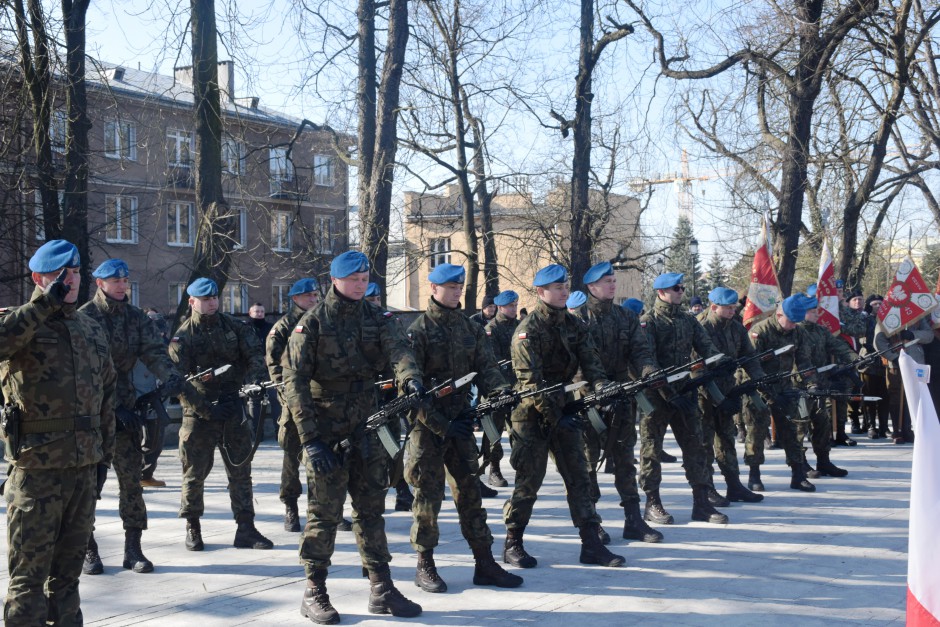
(683, 181)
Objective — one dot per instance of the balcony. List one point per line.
(296, 188)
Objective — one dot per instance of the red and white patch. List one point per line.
(271, 333)
(175, 338)
(523, 336)
(299, 328)
(754, 335)
(388, 314)
(489, 333)
(642, 325)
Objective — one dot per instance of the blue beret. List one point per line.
(202, 287)
(373, 290)
(550, 274)
(447, 273)
(723, 296)
(348, 263)
(55, 255)
(505, 298)
(598, 272)
(665, 281)
(810, 303)
(111, 269)
(634, 304)
(303, 286)
(576, 300)
(795, 307)
(811, 290)
(840, 283)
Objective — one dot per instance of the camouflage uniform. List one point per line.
(57, 371)
(333, 356)
(852, 331)
(823, 348)
(447, 345)
(500, 330)
(132, 336)
(203, 342)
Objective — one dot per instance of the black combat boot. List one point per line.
(635, 528)
(496, 476)
(194, 535)
(247, 537)
(514, 552)
(291, 516)
(403, 497)
(316, 603)
(654, 511)
(666, 458)
(133, 555)
(798, 480)
(487, 572)
(486, 491)
(754, 482)
(384, 597)
(426, 576)
(593, 552)
(602, 535)
(344, 525)
(92, 565)
(827, 468)
(702, 510)
(811, 472)
(714, 497)
(738, 493)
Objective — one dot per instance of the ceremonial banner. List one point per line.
(907, 300)
(763, 294)
(827, 294)
(935, 314)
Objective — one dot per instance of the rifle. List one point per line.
(847, 396)
(509, 400)
(504, 364)
(869, 358)
(209, 374)
(716, 395)
(10, 423)
(145, 403)
(256, 391)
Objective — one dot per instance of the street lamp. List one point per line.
(693, 249)
(660, 265)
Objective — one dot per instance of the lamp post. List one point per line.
(693, 250)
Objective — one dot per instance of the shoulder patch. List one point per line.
(387, 314)
(523, 336)
(271, 332)
(175, 338)
(489, 332)
(754, 334)
(299, 328)
(642, 325)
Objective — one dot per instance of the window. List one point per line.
(281, 168)
(179, 148)
(280, 230)
(280, 301)
(40, 220)
(323, 170)
(440, 251)
(58, 127)
(133, 293)
(120, 219)
(233, 156)
(177, 293)
(324, 235)
(235, 298)
(120, 140)
(180, 224)
(242, 228)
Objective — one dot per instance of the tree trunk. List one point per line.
(365, 97)
(580, 244)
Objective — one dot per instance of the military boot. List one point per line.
(715, 498)
(487, 572)
(666, 458)
(344, 525)
(702, 510)
(403, 497)
(496, 476)
(384, 597)
(754, 482)
(92, 565)
(486, 491)
(810, 472)
(291, 516)
(593, 552)
(514, 552)
(426, 576)
(247, 537)
(738, 493)
(827, 468)
(654, 511)
(194, 535)
(635, 528)
(602, 535)
(316, 602)
(798, 480)
(133, 555)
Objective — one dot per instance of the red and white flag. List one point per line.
(935, 314)
(907, 300)
(827, 294)
(923, 550)
(763, 294)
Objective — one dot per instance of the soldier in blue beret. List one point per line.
(551, 274)
(111, 269)
(203, 288)
(500, 330)
(668, 280)
(350, 262)
(374, 294)
(634, 304)
(505, 298)
(51, 259)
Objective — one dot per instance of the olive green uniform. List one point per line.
(500, 330)
(824, 348)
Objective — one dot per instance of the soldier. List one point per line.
(213, 415)
(156, 431)
(634, 304)
(486, 313)
(447, 345)
(58, 384)
(132, 335)
(548, 348)
(772, 333)
(718, 430)
(374, 294)
(625, 355)
(500, 331)
(673, 334)
(852, 329)
(575, 301)
(332, 359)
(304, 295)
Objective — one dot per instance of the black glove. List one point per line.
(460, 427)
(321, 457)
(56, 291)
(730, 405)
(129, 419)
(100, 479)
(568, 423)
(415, 387)
(173, 385)
(907, 335)
(683, 404)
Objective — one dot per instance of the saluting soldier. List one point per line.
(213, 414)
(132, 335)
(549, 347)
(58, 384)
(500, 330)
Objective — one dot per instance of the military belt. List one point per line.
(56, 425)
(339, 387)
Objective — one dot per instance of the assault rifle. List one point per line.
(257, 391)
(209, 374)
(145, 403)
(870, 358)
(484, 410)
(731, 366)
(848, 396)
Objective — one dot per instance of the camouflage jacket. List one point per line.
(334, 355)
(276, 343)
(204, 342)
(852, 321)
(549, 347)
(55, 367)
(448, 345)
(768, 334)
(132, 336)
(824, 348)
(730, 338)
(500, 331)
(674, 334)
(620, 342)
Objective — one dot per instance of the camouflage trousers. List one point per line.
(428, 456)
(818, 427)
(688, 432)
(493, 451)
(127, 465)
(718, 435)
(363, 474)
(50, 514)
(529, 458)
(198, 441)
(287, 437)
(758, 429)
(621, 442)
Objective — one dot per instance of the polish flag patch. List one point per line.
(754, 335)
(175, 338)
(523, 336)
(299, 328)
(642, 325)
(388, 314)
(489, 333)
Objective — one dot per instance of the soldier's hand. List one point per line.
(321, 457)
(683, 404)
(173, 385)
(56, 291)
(416, 387)
(101, 477)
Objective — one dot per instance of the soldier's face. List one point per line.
(448, 294)
(205, 305)
(554, 294)
(307, 301)
(72, 278)
(375, 300)
(785, 323)
(256, 312)
(672, 295)
(812, 315)
(509, 310)
(604, 288)
(353, 286)
(725, 312)
(115, 287)
(489, 311)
